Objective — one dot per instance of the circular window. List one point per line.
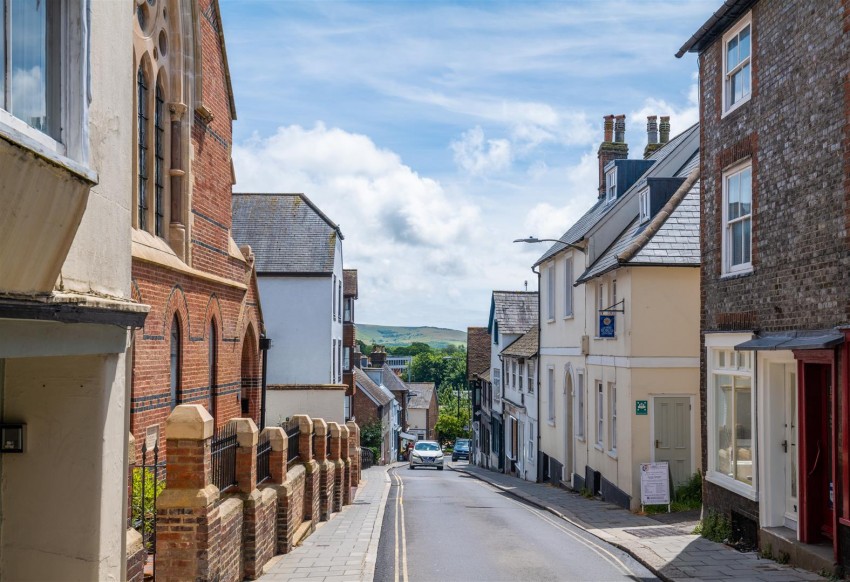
(163, 43)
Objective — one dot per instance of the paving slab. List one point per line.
(683, 556)
(345, 548)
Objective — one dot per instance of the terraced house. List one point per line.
(775, 357)
(619, 366)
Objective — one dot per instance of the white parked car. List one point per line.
(426, 454)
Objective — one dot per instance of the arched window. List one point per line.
(159, 162)
(142, 100)
(213, 361)
(175, 362)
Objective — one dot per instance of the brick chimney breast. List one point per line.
(614, 127)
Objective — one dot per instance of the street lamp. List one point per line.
(534, 239)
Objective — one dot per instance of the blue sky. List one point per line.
(435, 133)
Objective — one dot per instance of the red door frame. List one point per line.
(809, 533)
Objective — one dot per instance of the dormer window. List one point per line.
(611, 184)
(643, 200)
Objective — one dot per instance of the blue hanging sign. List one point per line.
(607, 326)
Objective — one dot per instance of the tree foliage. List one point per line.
(439, 368)
(454, 418)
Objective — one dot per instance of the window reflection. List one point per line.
(28, 52)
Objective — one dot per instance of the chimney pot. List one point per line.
(620, 128)
(608, 128)
(665, 128)
(652, 129)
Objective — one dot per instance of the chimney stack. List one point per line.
(665, 128)
(651, 136)
(378, 357)
(612, 149)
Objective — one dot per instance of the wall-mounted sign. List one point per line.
(655, 484)
(641, 407)
(607, 326)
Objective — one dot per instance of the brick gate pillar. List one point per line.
(354, 451)
(344, 435)
(335, 459)
(311, 486)
(326, 468)
(185, 508)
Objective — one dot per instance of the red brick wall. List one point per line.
(198, 301)
(364, 410)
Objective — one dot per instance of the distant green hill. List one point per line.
(436, 337)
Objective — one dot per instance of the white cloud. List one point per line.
(477, 156)
(681, 117)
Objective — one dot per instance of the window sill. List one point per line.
(550, 320)
(612, 454)
(736, 106)
(580, 438)
(736, 274)
(596, 337)
(550, 422)
(50, 155)
(598, 447)
(732, 485)
(568, 317)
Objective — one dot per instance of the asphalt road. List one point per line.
(445, 525)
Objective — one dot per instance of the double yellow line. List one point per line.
(400, 540)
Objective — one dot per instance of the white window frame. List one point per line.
(612, 419)
(568, 287)
(348, 308)
(732, 33)
(643, 199)
(346, 359)
(529, 451)
(728, 268)
(521, 376)
(550, 292)
(550, 394)
(726, 342)
(611, 184)
(513, 374)
(580, 406)
(532, 371)
(71, 101)
(600, 415)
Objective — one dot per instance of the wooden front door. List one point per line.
(816, 494)
(673, 435)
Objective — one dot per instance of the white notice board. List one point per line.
(654, 483)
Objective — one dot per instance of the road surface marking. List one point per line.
(399, 524)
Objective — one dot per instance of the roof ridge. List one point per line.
(306, 200)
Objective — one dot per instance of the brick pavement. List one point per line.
(676, 555)
(344, 549)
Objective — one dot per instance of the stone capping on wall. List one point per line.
(202, 534)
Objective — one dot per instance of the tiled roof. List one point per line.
(675, 242)
(349, 284)
(391, 380)
(583, 225)
(374, 391)
(421, 394)
(516, 311)
(287, 233)
(525, 346)
(477, 351)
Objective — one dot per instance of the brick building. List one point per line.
(200, 343)
(478, 379)
(422, 410)
(349, 336)
(775, 125)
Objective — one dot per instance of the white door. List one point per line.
(673, 435)
(790, 446)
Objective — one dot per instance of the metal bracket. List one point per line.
(612, 308)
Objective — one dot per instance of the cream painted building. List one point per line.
(619, 331)
(65, 195)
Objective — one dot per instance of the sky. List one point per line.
(435, 133)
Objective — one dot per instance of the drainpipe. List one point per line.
(265, 344)
(537, 375)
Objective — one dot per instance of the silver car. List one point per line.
(426, 454)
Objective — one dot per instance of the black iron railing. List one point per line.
(367, 458)
(328, 446)
(223, 453)
(264, 451)
(293, 434)
(148, 483)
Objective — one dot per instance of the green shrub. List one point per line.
(715, 527)
(690, 492)
(144, 506)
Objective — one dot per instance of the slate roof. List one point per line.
(391, 380)
(365, 383)
(516, 311)
(525, 346)
(716, 24)
(349, 283)
(675, 243)
(287, 232)
(477, 351)
(583, 225)
(421, 394)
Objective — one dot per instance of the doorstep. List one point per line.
(812, 557)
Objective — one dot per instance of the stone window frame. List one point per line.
(726, 342)
(68, 89)
(551, 292)
(729, 35)
(569, 307)
(727, 269)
